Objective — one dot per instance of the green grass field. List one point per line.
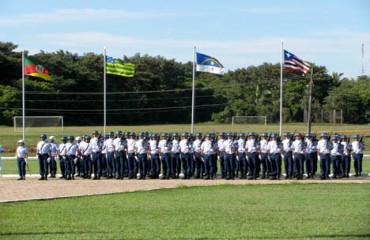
(286, 211)
(9, 138)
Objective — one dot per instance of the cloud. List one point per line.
(85, 14)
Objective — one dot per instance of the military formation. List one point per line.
(119, 155)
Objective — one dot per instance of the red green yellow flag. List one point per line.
(35, 70)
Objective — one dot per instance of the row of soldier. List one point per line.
(246, 156)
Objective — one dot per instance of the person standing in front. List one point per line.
(43, 151)
(21, 154)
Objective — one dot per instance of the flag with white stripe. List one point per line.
(292, 62)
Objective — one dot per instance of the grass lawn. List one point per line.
(9, 138)
(286, 211)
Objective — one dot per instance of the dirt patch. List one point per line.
(31, 189)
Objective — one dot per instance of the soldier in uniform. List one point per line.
(323, 150)
(288, 155)
(131, 155)
(72, 152)
(274, 148)
(111, 164)
(22, 155)
(346, 156)
(241, 156)
(357, 148)
(86, 152)
(120, 156)
(154, 156)
(79, 163)
(298, 148)
(252, 151)
(61, 153)
(43, 150)
(186, 159)
(336, 155)
(310, 153)
(165, 155)
(96, 155)
(207, 152)
(175, 155)
(229, 148)
(141, 151)
(199, 163)
(262, 146)
(53, 153)
(221, 154)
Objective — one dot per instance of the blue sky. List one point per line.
(239, 33)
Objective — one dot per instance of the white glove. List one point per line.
(75, 160)
(218, 158)
(318, 157)
(136, 158)
(48, 160)
(237, 157)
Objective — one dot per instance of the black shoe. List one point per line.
(41, 178)
(21, 178)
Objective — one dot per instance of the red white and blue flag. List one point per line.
(292, 62)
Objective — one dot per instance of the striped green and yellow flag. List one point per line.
(118, 67)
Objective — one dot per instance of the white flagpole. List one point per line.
(281, 88)
(23, 99)
(105, 90)
(193, 92)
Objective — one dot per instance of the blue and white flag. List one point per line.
(209, 64)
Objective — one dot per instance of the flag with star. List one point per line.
(292, 62)
(118, 67)
(208, 64)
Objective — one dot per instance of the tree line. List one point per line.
(161, 90)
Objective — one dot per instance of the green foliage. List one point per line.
(161, 91)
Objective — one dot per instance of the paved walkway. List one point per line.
(12, 190)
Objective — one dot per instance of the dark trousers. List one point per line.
(230, 165)
(346, 164)
(53, 166)
(265, 164)
(176, 164)
(199, 164)
(357, 159)
(111, 164)
(336, 162)
(97, 164)
(186, 164)
(21, 167)
(222, 164)
(62, 165)
(87, 166)
(70, 165)
(131, 165)
(288, 163)
(325, 165)
(299, 160)
(167, 165)
(243, 166)
(254, 164)
(43, 164)
(142, 162)
(309, 163)
(120, 163)
(155, 165)
(275, 160)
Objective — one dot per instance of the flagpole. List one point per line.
(23, 100)
(281, 88)
(105, 91)
(309, 123)
(193, 91)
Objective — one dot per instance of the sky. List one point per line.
(239, 33)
